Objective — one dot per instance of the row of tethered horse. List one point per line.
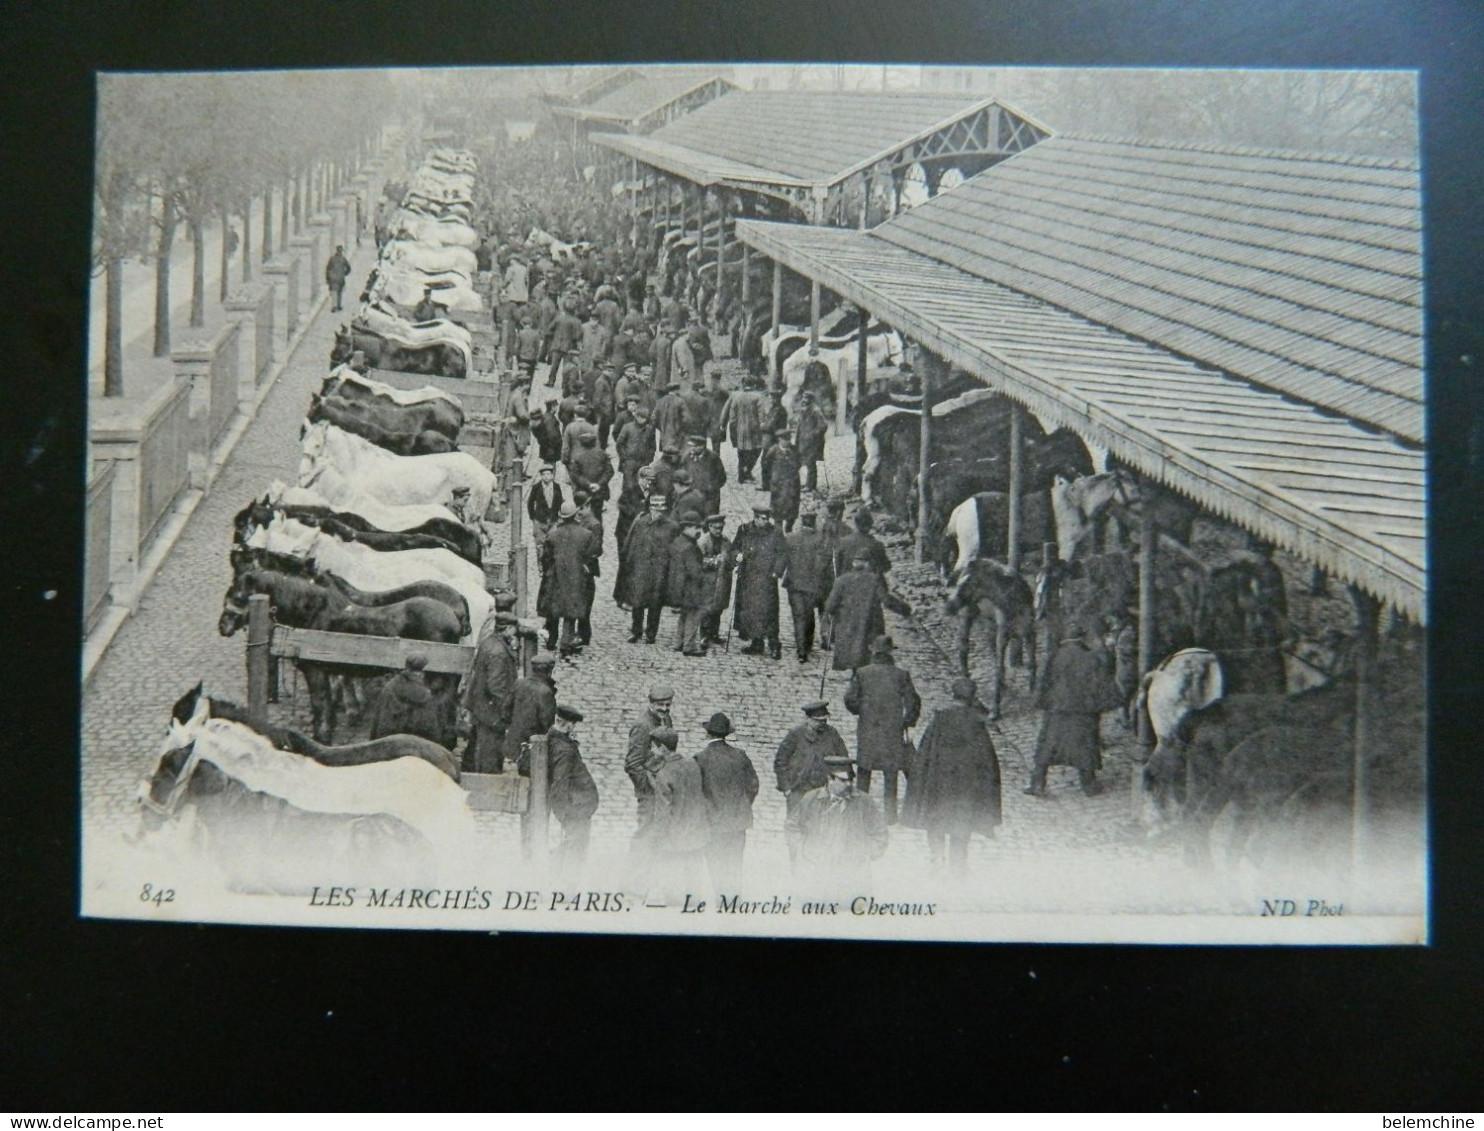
(380, 535)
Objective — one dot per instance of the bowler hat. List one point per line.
(719, 725)
(569, 508)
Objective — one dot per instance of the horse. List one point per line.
(300, 603)
(985, 587)
(369, 422)
(278, 822)
(389, 324)
(328, 488)
(350, 754)
(1078, 505)
(396, 479)
(441, 532)
(442, 411)
(386, 540)
(978, 526)
(374, 569)
(436, 358)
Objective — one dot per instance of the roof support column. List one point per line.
(746, 274)
(721, 223)
(1148, 538)
(1367, 617)
(813, 317)
(931, 363)
(1013, 523)
(777, 308)
(866, 182)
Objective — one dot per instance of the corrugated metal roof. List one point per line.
(1298, 271)
(1330, 489)
(809, 138)
(644, 95)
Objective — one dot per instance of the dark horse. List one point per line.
(438, 414)
(435, 360)
(444, 534)
(987, 588)
(371, 422)
(299, 603)
(352, 754)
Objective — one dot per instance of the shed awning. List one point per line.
(1347, 497)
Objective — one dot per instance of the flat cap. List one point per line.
(571, 714)
(661, 693)
(816, 708)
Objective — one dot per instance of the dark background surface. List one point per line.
(102, 1016)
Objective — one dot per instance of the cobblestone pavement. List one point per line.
(1061, 853)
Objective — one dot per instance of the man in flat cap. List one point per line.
(954, 790)
(589, 468)
(636, 764)
(680, 828)
(718, 559)
(707, 473)
(837, 830)
(685, 585)
(854, 609)
(532, 709)
(885, 699)
(687, 497)
(810, 430)
(643, 563)
(600, 396)
(808, 578)
(489, 694)
(799, 764)
(762, 558)
(781, 474)
(543, 505)
(571, 793)
(730, 783)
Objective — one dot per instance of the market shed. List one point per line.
(1244, 327)
(642, 103)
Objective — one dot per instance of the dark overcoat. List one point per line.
(570, 559)
(764, 557)
(590, 471)
(730, 784)
(741, 419)
(719, 557)
(810, 569)
(406, 706)
(682, 815)
(685, 579)
(884, 698)
(532, 711)
(799, 762)
(1076, 688)
(854, 605)
(669, 419)
(809, 434)
(489, 687)
(697, 412)
(645, 561)
(783, 481)
(572, 794)
(955, 785)
(857, 542)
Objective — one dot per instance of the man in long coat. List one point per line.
(636, 764)
(730, 784)
(887, 703)
(810, 431)
(686, 585)
(742, 422)
(839, 831)
(571, 793)
(860, 540)
(669, 418)
(707, 473)
(809, 576)
(681, 827)
(781, 476)
(489, 694)
(687, 496)
(337, 270)
(590, 469)
(719, 559)
(772, 422)
(1075, 690)
(600, 396)
(762, 557)
(532, 710)
(954, 789)
(799, 764)
(635, 444)
(698, 411)
(854, 609)
(642, 566)
(570, 557)
(406, 706)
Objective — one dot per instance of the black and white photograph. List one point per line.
(849, 501)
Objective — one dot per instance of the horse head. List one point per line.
(234, 604)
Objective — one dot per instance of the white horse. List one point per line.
(447, 232)
(331, 489)
(1187, 681)
(404, 285)
(426, 258)
(376, 570)
(1077, 504)
(881, 350)
(393, 478)
(408, 790)
(872, 443)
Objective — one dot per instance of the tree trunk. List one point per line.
(198, 272)
(226, 236)
(247, 241)
(113, 329)
(162, 277)
(267, 223)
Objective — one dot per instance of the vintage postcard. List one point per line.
(895, 501)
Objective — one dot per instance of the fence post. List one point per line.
(539, 801)
(259, 633)
(842, 394)
(517, 540)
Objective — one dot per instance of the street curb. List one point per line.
(95, 643)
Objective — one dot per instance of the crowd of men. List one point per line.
(638, 419)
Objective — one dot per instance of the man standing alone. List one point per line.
(730, 784)
(337, 270)
(884, 697)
